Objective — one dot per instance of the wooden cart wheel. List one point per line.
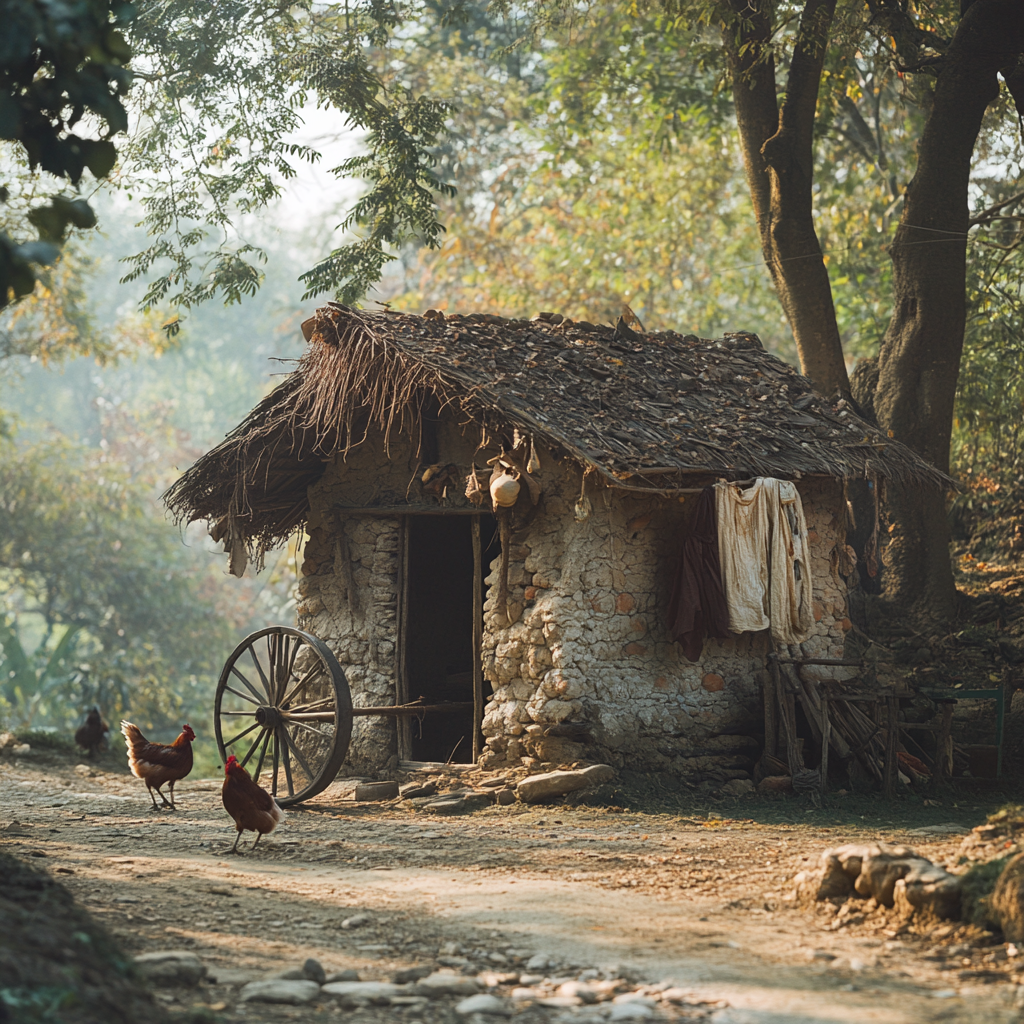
(284, 709)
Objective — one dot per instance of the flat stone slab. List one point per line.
(171, 967)
(552, 784)
(483, 1003)
(294, 993)
(437, 984)
(458, 803)
(376, 791)
(353, 994)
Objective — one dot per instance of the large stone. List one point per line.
(438, 984)
(376, 791)
(459, 803)
(171, 967)
(294, 993)
(483, 1003)
(1006, 904)
(353, 994)
(554, 784)
(891, 874)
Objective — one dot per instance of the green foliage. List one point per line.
(59, 63)
(101, 605)
(221, 93)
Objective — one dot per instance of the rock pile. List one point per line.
(894, 876)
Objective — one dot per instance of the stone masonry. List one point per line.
(586, 653)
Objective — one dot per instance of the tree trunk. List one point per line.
(777, 146)
(919, 359)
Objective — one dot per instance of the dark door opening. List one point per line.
(439, 641)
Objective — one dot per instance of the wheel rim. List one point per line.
(284, 709)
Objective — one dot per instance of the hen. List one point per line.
(92, 735)
(159, 763)
(252, 807)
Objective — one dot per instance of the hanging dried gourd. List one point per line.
(474, 489)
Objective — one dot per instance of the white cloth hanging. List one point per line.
(742, 552)
(765, 561)
(791, 600)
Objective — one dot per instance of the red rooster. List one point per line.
(252, 807)
(159, 763)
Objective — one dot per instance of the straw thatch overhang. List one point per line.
(652, 412)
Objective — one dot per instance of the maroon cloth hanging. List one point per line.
(697, 607)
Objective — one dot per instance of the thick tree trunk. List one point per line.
(919, 360)
(777, 146)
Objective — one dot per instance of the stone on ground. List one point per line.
(278, 990)
(437, 984)
(354, 994)
(458, 803)
(171, 967)
(552, 784)
(483, 1003)
(376, 791)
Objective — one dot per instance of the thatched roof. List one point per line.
(645, 411)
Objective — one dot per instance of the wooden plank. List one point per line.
(943, 746)
(402, 696)
(478, 637)
(826, 737)
(892, 729)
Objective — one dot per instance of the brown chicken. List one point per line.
(252, 807)
(91, 736)
(158, 764)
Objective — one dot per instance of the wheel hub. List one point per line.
(269, 717)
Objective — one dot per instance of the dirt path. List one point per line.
(648, 897)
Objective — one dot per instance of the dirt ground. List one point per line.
(698, 898)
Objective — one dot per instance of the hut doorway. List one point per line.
(448, 557)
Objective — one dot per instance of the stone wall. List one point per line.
(587, 654)
(589, 644)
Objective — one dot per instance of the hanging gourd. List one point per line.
(504, 488)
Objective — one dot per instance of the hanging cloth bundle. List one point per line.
(697, 607)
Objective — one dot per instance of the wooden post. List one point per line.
(787, 716)
(826, 736)
(943, 746)
(891, 766)
(404, 725)
(478, 631)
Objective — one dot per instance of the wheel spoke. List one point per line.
(273, 784)
(248, 753)
(263, 754)
(237, 714)
(308, 728)
(301, 683)
(291, 660)
(244, 732)
(244, 696)
(287, 762)
(248, 686)
(263, 675)
(298, 755)
(317, 705)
